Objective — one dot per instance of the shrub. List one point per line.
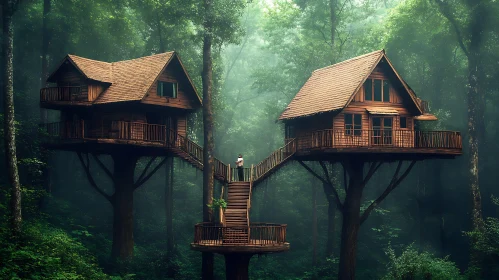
(412, 265)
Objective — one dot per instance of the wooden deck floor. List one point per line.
(256, 246)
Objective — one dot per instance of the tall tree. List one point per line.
(9, 8)
(208, 168)
(44, 54)
(470, 39)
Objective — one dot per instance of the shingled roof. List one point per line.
(333, 87)
(129, 79)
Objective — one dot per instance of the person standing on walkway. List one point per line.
(240, 170)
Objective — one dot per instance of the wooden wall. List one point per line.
(401, 137)
(94, 90)
(182, 125)
(184, 99)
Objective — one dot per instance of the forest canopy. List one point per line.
(440, 223)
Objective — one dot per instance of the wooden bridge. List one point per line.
(234, 228)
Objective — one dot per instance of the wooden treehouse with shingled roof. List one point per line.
(357, 112)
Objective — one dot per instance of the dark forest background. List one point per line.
(263, 53)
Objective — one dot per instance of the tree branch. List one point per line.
(86, 167)
(313, 172)
(140, 183)
(371, 172)
(145, 169)
(99, 162)
(445, 10)
(336, 195)
(393, 184)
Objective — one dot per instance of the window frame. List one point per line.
(406, 122)
(159, 89)
(352, 129)
(383, 82)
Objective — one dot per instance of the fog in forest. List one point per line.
(263, 52)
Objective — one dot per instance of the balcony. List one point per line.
(380, 141)
(62, 94)
(256, 238)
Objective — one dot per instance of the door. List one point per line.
(382, 133)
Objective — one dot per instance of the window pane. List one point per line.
(387, 122)
(167, 89)
(386, 91)
(348, 119)
(368, 89)
(357, 119)
(377, 90)
(376, 122)
(403, 122)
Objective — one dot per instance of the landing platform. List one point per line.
(257, 238)
(254, 247)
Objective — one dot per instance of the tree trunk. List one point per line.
(124, 167)
(351, 222)
(236, 266)
(170, 246)
(9, 128)
(476, 122)
(314, 222)
(208, 183)
(46, 38)
(331, 215)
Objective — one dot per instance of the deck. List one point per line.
(257, 238)
(334, 144)
(330, 145)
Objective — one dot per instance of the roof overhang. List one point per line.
(381, 111)
(426, 117)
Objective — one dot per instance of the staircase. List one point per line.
(273, 162)
(236, 217)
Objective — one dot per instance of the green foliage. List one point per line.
(488, 239)
(411, 265)
(45, 252)
(218, 203)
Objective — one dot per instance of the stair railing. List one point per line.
(221, 210)
(248, 203)
(277, 157)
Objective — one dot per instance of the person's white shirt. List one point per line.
(239, 162)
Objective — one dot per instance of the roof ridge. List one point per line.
(81, 57)
(142, 57)
(349, 60)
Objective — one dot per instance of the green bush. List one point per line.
(412, 265)
(44, 252)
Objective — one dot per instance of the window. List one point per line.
(353, 124)
(368, 89)
(289, 132)
(403, 122)
(167, 89)
(377, 90)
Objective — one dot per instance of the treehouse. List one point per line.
(362, 105)
(142, 102)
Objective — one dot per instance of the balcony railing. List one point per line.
(257, 234)
(67, 93)
(381, 138)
